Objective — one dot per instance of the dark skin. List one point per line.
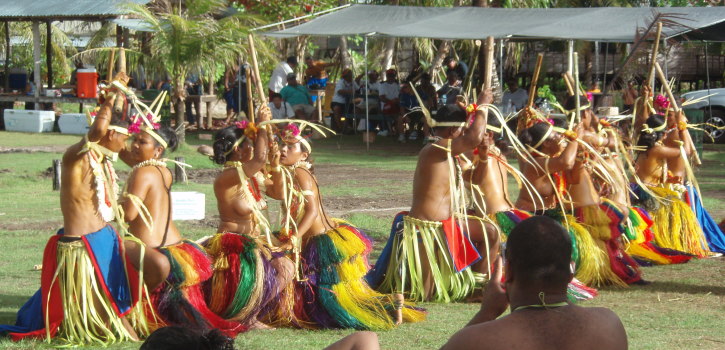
(492, 179)
(150, 184)
(563, 328)
(559, 160)
(431, 187)
(673, 139)
(78, 201)
(650, 163)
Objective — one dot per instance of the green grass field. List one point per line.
(682, 308)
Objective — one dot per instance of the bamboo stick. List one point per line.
(576, 90)
(568, 83)
(111, 60)
(260, 89)
(534, 79)
(653, 58)
(489, 63)
(676, 108)
(250, 100)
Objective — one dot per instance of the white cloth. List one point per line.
(279, 76)
(519, 98)
(285, 111)
(391, 91)
(342, 84)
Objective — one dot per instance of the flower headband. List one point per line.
(662, 102)
(250, 132)
(147, 124)
(291, 134)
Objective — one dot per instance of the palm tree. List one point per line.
(194, 38)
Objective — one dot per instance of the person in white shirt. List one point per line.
(280, 109)
(514, 97)
(373, 93)
(389, 98)
(279, 75)
(342, 99)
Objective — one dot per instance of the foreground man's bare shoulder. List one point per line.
(480, 336)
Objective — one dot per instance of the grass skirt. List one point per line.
(243, 282)
(604, 223)
(179, 301)
(399, 267)
(674, 224)
(87, 287)
(333, 292)
(641, 245)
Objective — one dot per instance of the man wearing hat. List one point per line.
(298, 97)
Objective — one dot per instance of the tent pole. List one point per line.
(7, 55)
(49, 52)
(596, 60)
(664, 46)
(36, 62)
(367, 107)
(707, 71)
(500, 63)
(606, 54)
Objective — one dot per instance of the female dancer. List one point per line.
(248, 276)
(331, 255)
(173, 268)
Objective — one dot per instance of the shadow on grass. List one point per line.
(13, 301)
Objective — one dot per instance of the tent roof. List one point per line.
(41, 10)
(614, 24)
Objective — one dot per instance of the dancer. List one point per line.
(330, 254)
(602, 218)
(429, 253)
(174, 268)
(248, 276)
(88, 291)
(674, 223)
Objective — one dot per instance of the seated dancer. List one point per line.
(614, 191)
(429, 253)
(546, 173)
(87, 288)
(490, 158)
(674, 225)
(247, 275)
(602, 218)
(536, 270)
(681, 178)
(330, 254)
(173, 268)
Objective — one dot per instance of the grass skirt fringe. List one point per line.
(243, 281)
(399, 269)
(179, 301)
(674, 223)
(641, 246)
(604, 223)
(334, 293)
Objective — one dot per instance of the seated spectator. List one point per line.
(373, 93)
(342, 99)
(410, 118)
(454, 65)
(298, 97)
(280, 109)
(389, 99)
(426, 87)
(538, 268)
(315, 74)
(448, 93)
(515, 98)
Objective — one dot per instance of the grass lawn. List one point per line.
(682, 308)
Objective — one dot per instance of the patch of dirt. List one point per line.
(5, 171)
(6, 225)
(34, 149)
(202, 176)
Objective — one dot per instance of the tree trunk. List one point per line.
(442, 51)
(180, 109)
(345, 60)
(389, 50)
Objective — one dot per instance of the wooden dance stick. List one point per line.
(577, 93)
(260, 89)
(489, 63)
(534, 79)
(653, 56)
(250, 100)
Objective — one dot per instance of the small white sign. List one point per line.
(188, 205)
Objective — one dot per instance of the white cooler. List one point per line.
(73, 123)
(187, 205)
(29, 121)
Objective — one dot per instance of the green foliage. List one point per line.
(545, 92)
